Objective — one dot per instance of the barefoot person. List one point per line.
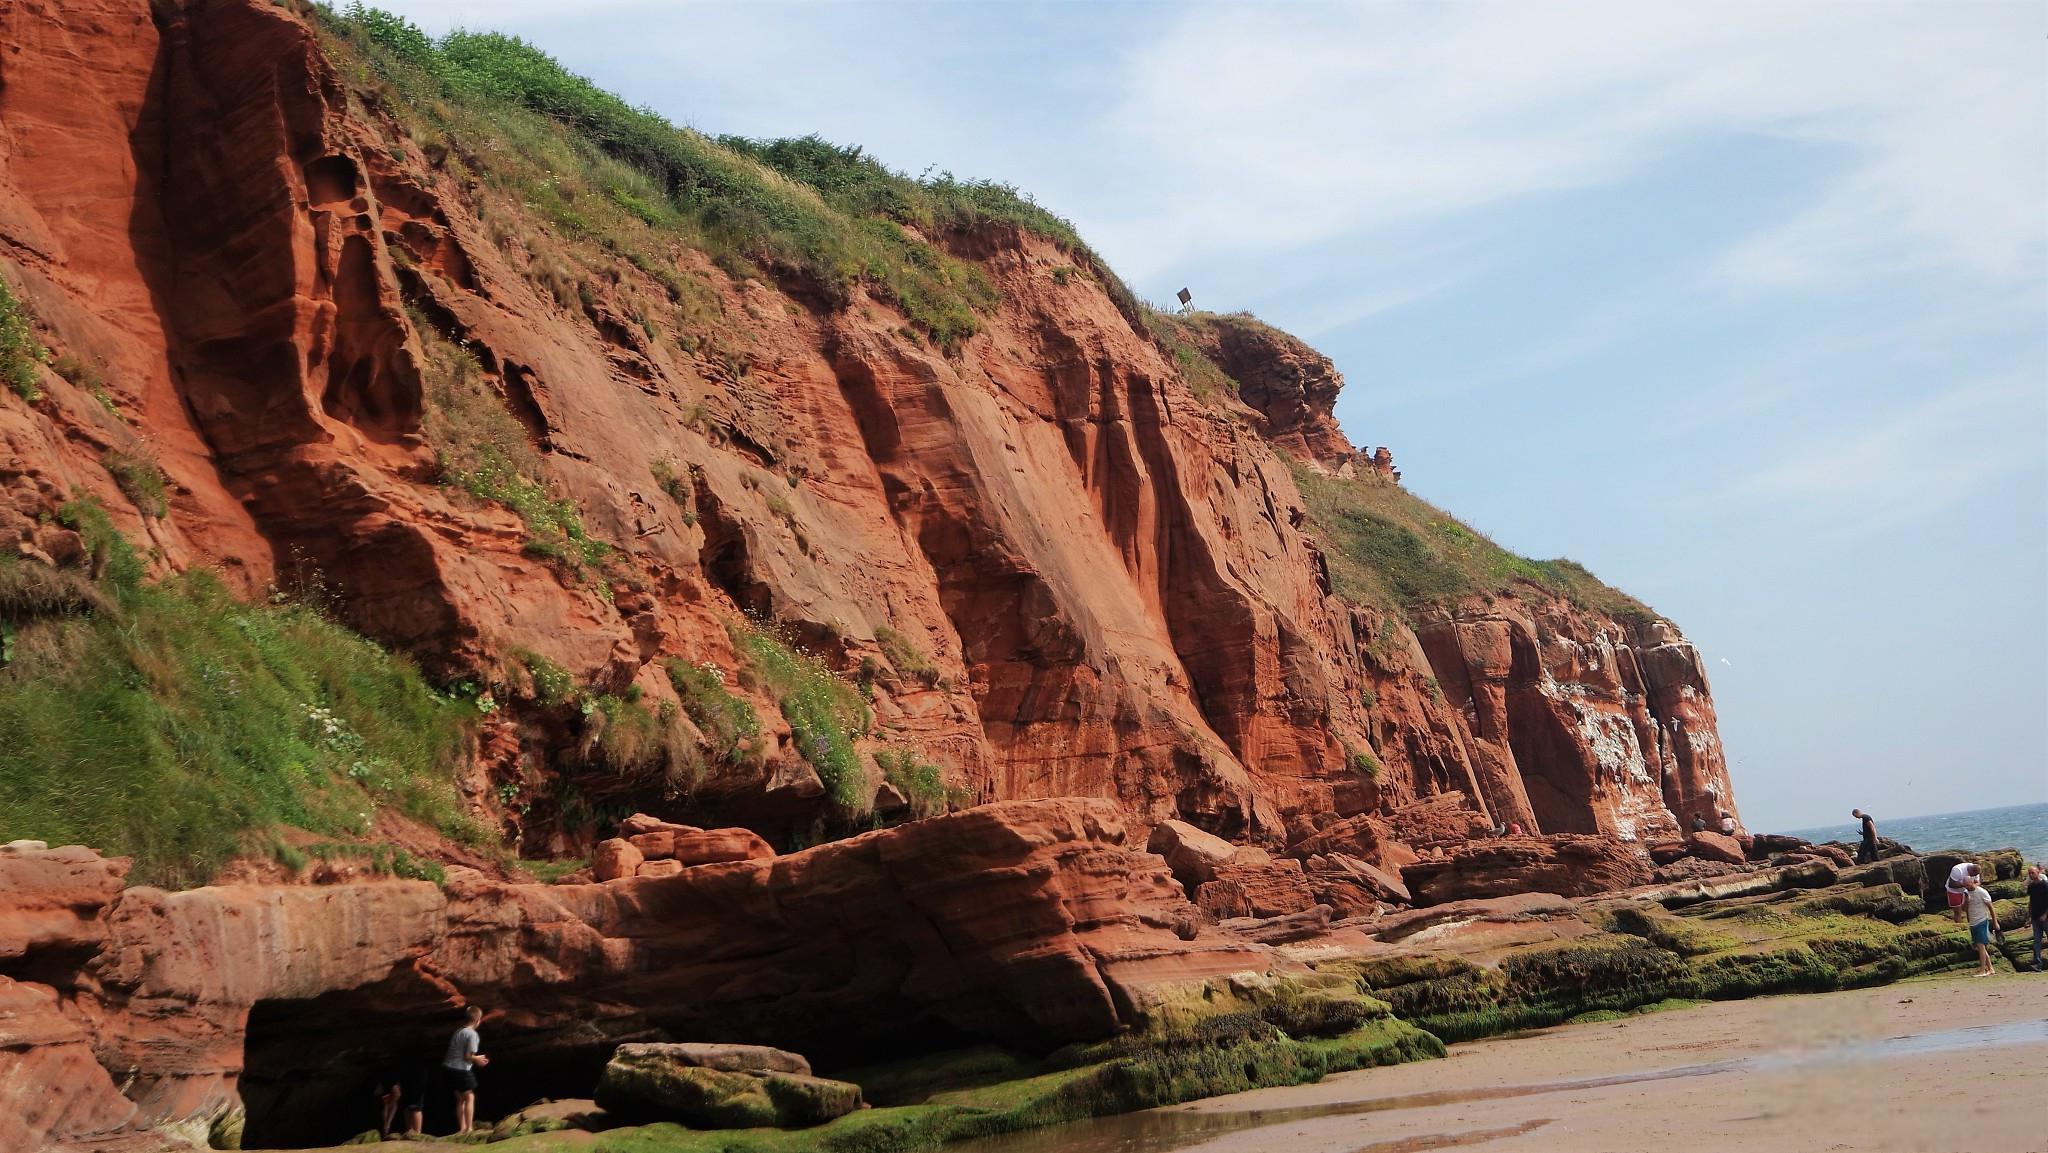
(401, 1088)
(460, 1065)
(1867, 851)
(1958, 884)
(1977, 903)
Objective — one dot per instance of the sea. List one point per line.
(2022, 827)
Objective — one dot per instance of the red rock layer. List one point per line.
(1108, 577)
(1029, 922)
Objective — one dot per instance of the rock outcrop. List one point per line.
(1568, 864)
(720, 1087)
(1028, 922)
(1095, 581)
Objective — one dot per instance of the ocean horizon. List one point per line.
(2022, 827)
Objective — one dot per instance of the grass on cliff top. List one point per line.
(1389, 548)
(175, 724)
(818, 217)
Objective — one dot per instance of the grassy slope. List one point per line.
(1389, 548)
(172, 723)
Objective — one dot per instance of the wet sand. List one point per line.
(1803, 1073)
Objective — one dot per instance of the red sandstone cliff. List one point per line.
(1113, 580)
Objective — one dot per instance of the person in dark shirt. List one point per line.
(1867, 851)
(1699, 824)
(2037, 908)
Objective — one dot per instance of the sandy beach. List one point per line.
(1823, 1072)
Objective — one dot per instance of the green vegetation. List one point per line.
(175, 724)
(818, 217)
(1177, 336)
(634, 742)
(484, 451)
(383, 858)
(1363, 761)
(826, 715)
(20, 352)
(922, 782)
(932, 1101)
(1781, 944)
(672, 482)
(905, 657)
(140, 479)
(727, 720)
(1391, 549)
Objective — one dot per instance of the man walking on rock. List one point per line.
(459, 1068)
(1867, 851)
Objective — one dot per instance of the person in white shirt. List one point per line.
(1977, 901)
(1958, 884)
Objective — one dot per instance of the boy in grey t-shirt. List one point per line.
(460, 1065)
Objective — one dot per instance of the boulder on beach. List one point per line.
(709, 1086)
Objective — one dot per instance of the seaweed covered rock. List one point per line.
(720, 1087)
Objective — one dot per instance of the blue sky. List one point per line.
(1745, 307)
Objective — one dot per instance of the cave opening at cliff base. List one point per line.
(311, 1067)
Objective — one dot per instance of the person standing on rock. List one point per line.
(1959, 879)
(2037, 908)
(1867, 851)
(460, 1065)
(1977, 902)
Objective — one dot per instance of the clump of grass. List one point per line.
(672, 481)
(20, 351)
(172, 723)
(905, 656)
(484, 451)
(922, 782)
(1362, 761)
(826, 715)
(727, 720)
(140, 479)
(552, 684)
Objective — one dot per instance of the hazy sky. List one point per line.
(1745, 307)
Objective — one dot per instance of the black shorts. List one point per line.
(460, 1080)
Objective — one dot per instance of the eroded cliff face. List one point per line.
(195, 1012)
(1113, 582)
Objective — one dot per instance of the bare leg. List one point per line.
(465, 1111)
(415, 1121)
(390, 1102)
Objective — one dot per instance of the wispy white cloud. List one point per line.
(1286, 125)
(1918, 460)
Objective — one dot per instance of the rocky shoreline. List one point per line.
(1031, 930)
